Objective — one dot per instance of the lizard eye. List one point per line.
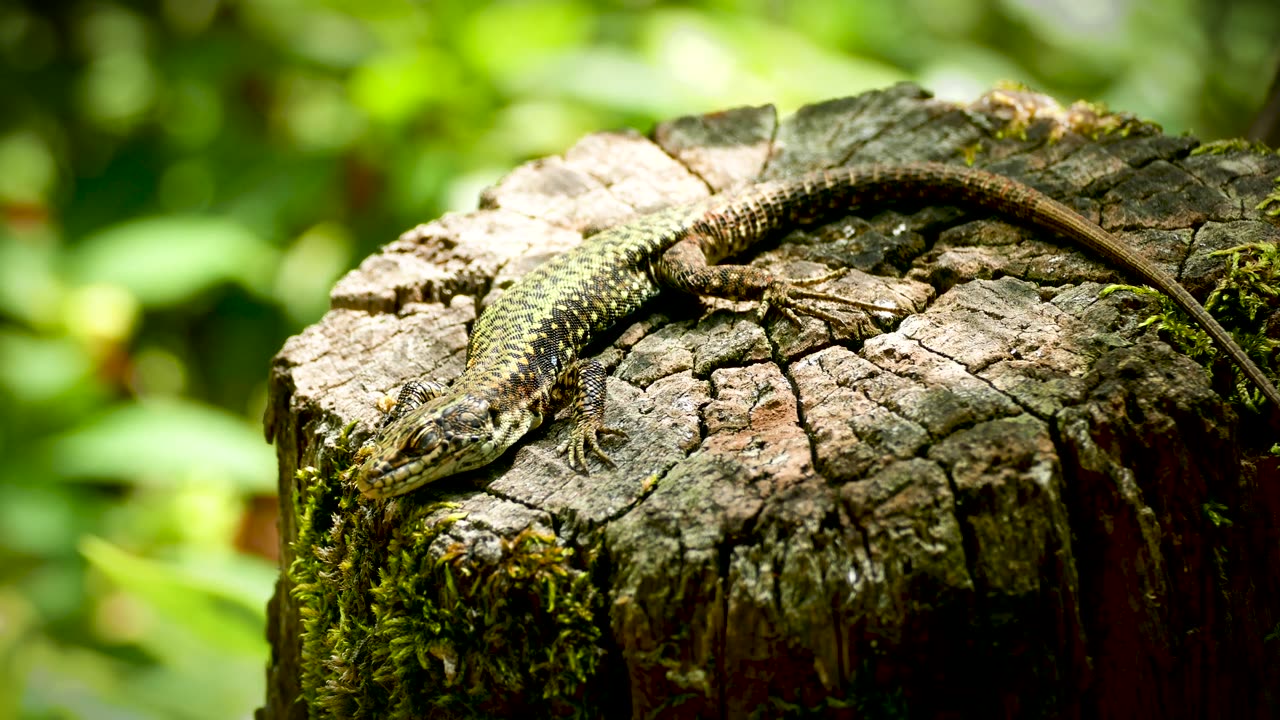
(424, 439)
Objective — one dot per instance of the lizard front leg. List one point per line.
(684, 267)
(412, 394)
(586, 381)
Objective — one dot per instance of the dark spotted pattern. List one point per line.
(523, 358)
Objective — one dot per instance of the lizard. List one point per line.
(524, 355)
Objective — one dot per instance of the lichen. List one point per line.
(1242, 303)
(398, 619)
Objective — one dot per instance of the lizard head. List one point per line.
(441, 437)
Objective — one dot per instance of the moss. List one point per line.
(1216, 513)
(1095, 121)
(1230, 145)
(1090, 119)
(1242, 302)
(398, 619)
(1270, 204)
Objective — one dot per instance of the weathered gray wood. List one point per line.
(1008, 504)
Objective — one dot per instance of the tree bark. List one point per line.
(1015, 502)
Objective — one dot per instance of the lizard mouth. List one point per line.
(379, 478)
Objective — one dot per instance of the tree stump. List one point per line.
(1016, 502)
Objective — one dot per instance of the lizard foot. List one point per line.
(581, 439)
(791, 298)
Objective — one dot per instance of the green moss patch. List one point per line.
(1242, 302)
(1232, 145)
(400, 619)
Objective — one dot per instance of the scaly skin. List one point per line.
(524, 358)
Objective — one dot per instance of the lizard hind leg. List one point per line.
(586, 380)
(791, 298)
(684, 268)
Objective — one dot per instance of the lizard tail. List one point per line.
(935, 181)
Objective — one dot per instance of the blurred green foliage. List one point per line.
(181, 181)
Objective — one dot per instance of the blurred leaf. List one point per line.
(309, 268)
(117, 89)
(329, 38)
(968, 72)
(72, 682)
(314, 33)
(69, 682)
(20, 620)
(503, 38)
(57, 589)
(246, 579)
(29, 290)
(315, 111)
(747, 60)
(164, 442)
(194, 517)
(171, 259)
(390, 88)
(535, 128)
(187, 186)
(284, 192)
(612, 78)
(35, 369)
(100, 315)
(192, 113)
(39, 521)
(157, 372)
(27, 168)
(221, 619)
(419, 175)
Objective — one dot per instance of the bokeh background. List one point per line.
(181, 181)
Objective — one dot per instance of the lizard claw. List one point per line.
(582, 439)
(791, 298)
